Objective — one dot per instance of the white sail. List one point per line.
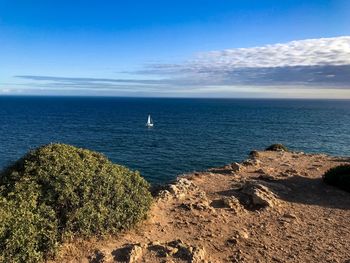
(149, 121)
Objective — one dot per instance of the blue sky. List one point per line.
(176, 48)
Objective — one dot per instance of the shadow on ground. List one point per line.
(303, 190)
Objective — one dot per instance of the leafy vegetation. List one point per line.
(59, 191)
(277, 147)
(338, 176)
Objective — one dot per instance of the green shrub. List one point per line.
(59, 191)
(277, 147)
(338, 176)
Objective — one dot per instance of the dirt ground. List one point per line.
(273, 207)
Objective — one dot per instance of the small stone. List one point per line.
(291, 216)
(241, 234)
(135, 253)
(232, 241)
(172, 250)
(237, 236)
(236, 167)
(198, 255)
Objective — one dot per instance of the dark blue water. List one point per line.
(189, 134)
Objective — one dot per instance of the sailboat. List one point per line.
(149, 123)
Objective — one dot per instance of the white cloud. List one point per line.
(321, 61)
(311, 52)
(310, 68)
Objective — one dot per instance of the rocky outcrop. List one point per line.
(190, 195)
(260, 195)
(180, 189)
(233, 203)
(262, 211)
(172, 251)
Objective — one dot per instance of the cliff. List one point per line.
(274, 207)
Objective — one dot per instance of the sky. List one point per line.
(192, 48)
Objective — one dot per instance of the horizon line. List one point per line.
(159, 97)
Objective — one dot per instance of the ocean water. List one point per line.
(189, 134)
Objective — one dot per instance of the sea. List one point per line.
(188, 134)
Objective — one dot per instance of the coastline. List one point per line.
(273, 207)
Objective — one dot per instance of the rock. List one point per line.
(176, 243)
(130, 253)
(232, 241)
(100, 256)
(243, 234)
(200, 205)
(227, 169)
(179, 190)
(211, 235)
(257, 162)
(164, 195)
(260, 195)
(154, 243)
(233, 203)
(240, 234)
(198, 255)
(286, 164)
(277, 147)
(196, 199)
(237, 236)
(178, 249)
(186, 206)
(236, 167)
(176, 191)
(172, 250)
(162, 250)
(182, 250)
(135, 253)
(252, 162)
(289, 215)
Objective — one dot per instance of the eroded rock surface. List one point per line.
(260, 195)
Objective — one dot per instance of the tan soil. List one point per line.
(271, 208)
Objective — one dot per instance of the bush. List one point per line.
(59, 191)
(338, 176)
(277, 147)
